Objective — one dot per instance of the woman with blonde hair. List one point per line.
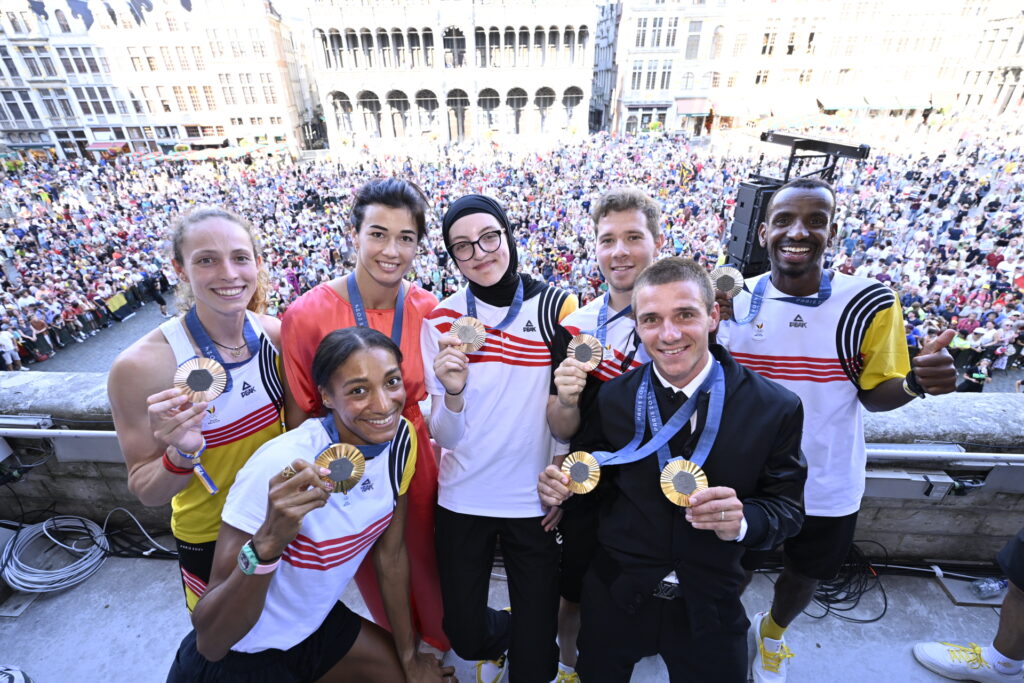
(188, 452)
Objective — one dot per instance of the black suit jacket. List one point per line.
(643, 536)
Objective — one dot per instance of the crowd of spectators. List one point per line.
(82, 244)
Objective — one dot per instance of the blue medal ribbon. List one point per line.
(513, 310)
(603, 323)
(757, 297)
(369, 451)
(646, 412)
(209, 349)
(359, 310)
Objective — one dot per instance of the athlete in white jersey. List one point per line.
(626, 222)
(837, 342)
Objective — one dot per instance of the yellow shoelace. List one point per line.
(969, 655)
(499, 662)
(771, 661)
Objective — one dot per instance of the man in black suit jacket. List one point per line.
(667, 579)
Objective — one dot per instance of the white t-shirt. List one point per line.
(493, 470)
(332, 540)
(818, 354)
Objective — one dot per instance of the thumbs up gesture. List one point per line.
(933, 366)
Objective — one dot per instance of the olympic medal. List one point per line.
(471, 332)
(681, 479)
(347, 466)
(587, 350)
(727, 280)
(202, 379)
(583, 471)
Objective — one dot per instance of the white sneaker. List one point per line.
(492, 670)
(769, 659)
(960, 662)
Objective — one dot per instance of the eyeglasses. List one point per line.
(488, 242)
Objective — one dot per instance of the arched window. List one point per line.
(687, 82)
(426, 108)
(631, 125)
(415, 57)
(366, 45)
(480, 40)
(494, 47)
(516, 101)
(62, 21)
(716, 43)
(544, 98)
(454, 48)
(369, 107)
(384, 48)
(352, 47)
(334, 50)
(398, 48)
(552, 46)
(488, 101)
(583, 39)
(428, 47)
(458, 103)
(523, 46)
(510, 46)
(539, 39)
(571, 99)
(342, 107)
(399, 105)
(569, 45)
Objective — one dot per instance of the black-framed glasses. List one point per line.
(488, 242)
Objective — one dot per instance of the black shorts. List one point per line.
(818, 551)
(195, 560)
(578, 529)
(1011, 560)
(310, 660)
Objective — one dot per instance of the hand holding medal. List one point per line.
(294, 492)
(716, 509)
(451, 365)
(341, 467)
(728, 282)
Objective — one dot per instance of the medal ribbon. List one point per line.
(359, 310)
(513, 310)
(209, 349)
(601, 332)
(646, 409)
(757, 298)
(369, 451)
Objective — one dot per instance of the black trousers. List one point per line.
(465, 556)
(612, 640)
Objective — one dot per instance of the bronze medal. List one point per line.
(587, 350)
(202, 379)
(346, 463)
(471, 332)
(727, 280)
(583, 471)
(681, 479)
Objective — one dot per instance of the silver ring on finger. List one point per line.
(723, 515)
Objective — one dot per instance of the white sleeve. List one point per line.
(446, 427)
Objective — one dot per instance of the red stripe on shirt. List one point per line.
(306, 553)
(797, 377)
(805, 361)
(193, 582)
(240, 431)
(258, 414)
(477, 358)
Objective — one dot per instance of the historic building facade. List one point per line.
(453, 70)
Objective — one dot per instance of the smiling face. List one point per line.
(366, 395)
(219, 264)
(796, 233)
(485, 269)
(673, 323)
(386, 243)
(625, 247)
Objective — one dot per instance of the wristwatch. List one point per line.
(250, 563)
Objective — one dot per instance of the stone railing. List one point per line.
(923, 505)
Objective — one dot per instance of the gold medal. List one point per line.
(587, 350)
(471, 332)
(583, 471)
(727, 280)
(202, 379)
(681, 479)
(347, 466)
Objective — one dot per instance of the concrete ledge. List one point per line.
(967, 528)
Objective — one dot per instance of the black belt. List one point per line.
(667, 590)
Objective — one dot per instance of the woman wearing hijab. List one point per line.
(490, 422)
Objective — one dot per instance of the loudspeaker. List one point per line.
(744, 250)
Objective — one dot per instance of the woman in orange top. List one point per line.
(388, 216)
